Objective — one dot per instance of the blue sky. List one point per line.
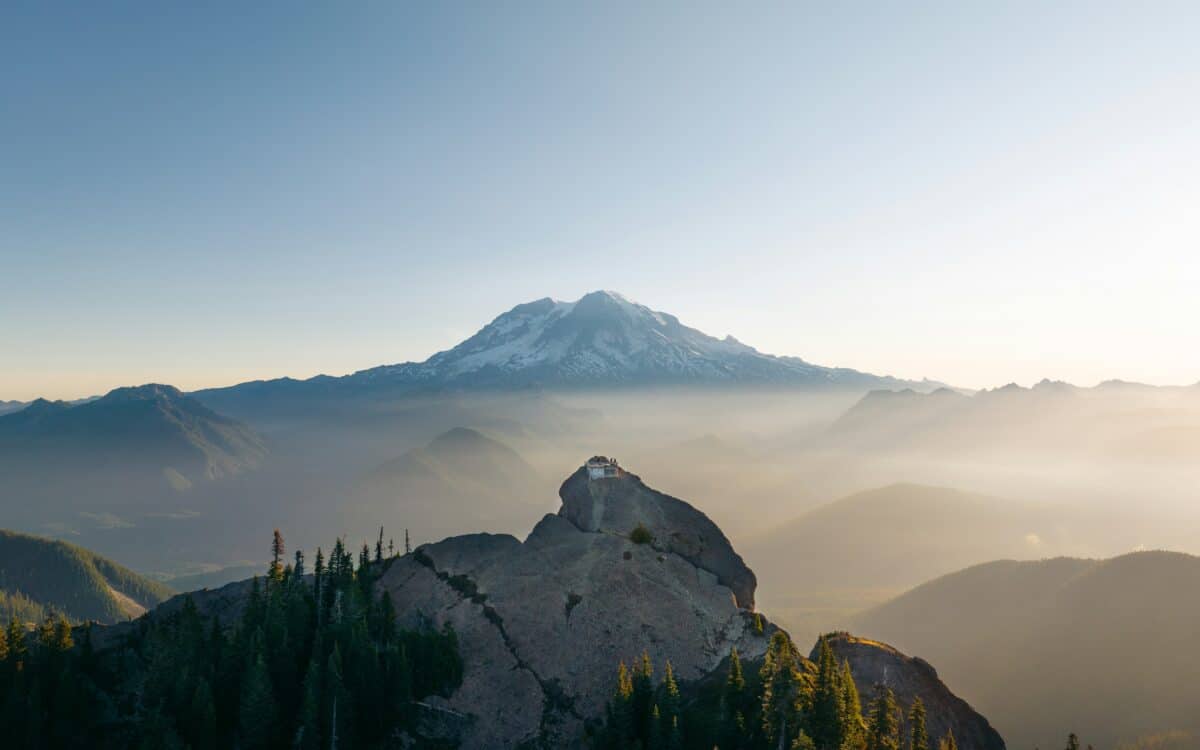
(979, 193)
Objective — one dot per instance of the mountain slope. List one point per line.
(1106, 647)
(862, 549)
(604, 339)
(898, 535)
(152, 424)
(123, 445)
(55, 575)
(599, 340)
(461, 480)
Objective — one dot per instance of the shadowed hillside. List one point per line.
(118, 450)
(863, 549)
(1107, 647)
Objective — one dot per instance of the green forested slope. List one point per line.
(38, 574)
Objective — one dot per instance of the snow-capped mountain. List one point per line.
(605, 339)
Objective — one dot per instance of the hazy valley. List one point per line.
(842, 491)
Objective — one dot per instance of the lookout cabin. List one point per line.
(602, 467)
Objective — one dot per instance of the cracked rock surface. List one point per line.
(543, 623)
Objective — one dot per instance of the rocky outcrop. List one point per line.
(874, 663)
(618, 505)
(543, 623)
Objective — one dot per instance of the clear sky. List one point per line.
(204, 193)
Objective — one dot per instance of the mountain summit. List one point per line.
(605, 339)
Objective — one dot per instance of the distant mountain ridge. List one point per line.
(599, 340)
(461, 474)
(1124, 421)
(149, 437)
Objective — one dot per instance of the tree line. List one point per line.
(788, 704)
(313, 661)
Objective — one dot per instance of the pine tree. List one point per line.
(275, 571)
(202, 718)
(643, 694)
(918, 738)
(407, 543)
(1072, 741)
(257, 712)
(853, 728)
(17, 647)
(309, 733)
(948, 742)
(620, 732)
(825, 720)
(883, 729)
(733, 704)
(60, 637)
(656, 739)
(670, 694)
(379, 546)
(780, 691)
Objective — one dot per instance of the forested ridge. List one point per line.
(313, 661)
(788, 703)
(39, 575)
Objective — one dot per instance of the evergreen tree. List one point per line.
(643, 694)
(309, 734)
(853, 728)
(257, 713)
(620, 734)
(883, 728)
(1072, 741)
(780, 692)
(825, 721)
(275, 571)
(670, 694)
(379, 547)
(202, 718)
(918, 738)
(948, 742)
(656, 740)
(734, 704)
(17, 647)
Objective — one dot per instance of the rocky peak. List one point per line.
(544, 622)
(618, 505)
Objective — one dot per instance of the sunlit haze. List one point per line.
(210, 194)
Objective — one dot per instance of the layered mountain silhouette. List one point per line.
(1115, 420)
(39, 575)
(1106, 646)
(599, 340)
(130, 441)
(461, 480)
(898, 535)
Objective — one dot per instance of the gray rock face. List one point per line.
(543, 623)
(619, 504)
(874, 663)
